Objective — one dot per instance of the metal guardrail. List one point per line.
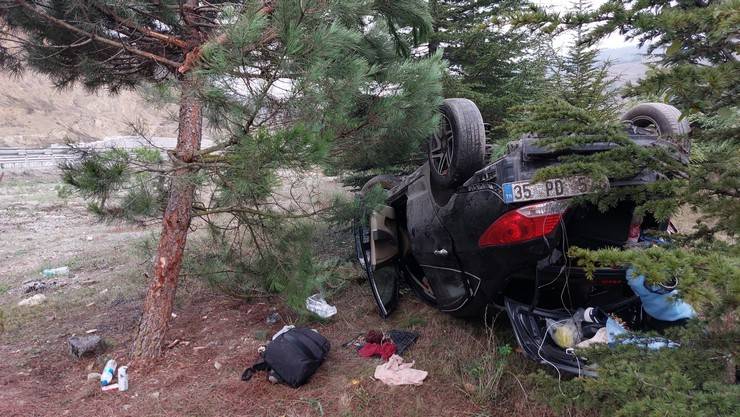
(20, 158)
(29, 158)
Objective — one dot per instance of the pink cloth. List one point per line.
(395, 372)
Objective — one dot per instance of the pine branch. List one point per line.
(168, 39)
(97, 38)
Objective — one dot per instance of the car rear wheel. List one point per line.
(458, 149)
(664, 119)
(386, 182)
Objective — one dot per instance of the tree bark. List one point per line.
(175, 224)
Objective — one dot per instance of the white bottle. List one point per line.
(107, 375)
(123, 378)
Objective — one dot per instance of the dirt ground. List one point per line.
(218, 336)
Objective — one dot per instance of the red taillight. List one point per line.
(523, 224)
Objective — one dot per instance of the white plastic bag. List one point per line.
(317, 305)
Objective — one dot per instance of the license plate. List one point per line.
(515, 192)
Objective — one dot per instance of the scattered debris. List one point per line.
(273, 318)
(217, 365)
(174, 316)
(197, 348)
(283, 330)
(110, 387)
(80, 346)
(402, 339)
(88, 238)
(123, 378)
(318, 305)
(385, 350)
(395, 372)
(108, 372)
(33, 301)
(33, 286)
(91, 331)
(90, 304)
(63, 270)
(173, 343)
(292, 358)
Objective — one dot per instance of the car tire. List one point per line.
(458, 149)
(386, 182)
(665, 118)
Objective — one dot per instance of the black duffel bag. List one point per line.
(292, 357)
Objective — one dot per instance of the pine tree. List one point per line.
(693, 46)
(584, 82)
(285, 84)
(496, 66)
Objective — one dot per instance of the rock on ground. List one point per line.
(33, 301)
(80, 346)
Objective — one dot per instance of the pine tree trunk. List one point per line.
(175, 223)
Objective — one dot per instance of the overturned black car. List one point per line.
(467, 235)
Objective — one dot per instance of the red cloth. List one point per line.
(374, 336)
(385, 350)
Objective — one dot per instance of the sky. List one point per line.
(615, 40)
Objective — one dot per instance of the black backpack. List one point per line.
(293, 356)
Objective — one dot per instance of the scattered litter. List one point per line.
(204, 317)
(402, 339)
(601, 337)
(318, 305)
(660, 301)
(110, 387)
(217, 365)
(619, 335)
(123, 378)
(356, 342)
(374, 336)
(63, 270)
(103, 291)
(283, 330)
(33, 301)
(173, 343)
(88, 238)
(384, 350)
(80, 346)
(106, 377)
(196, 348)
(292, 358)
(173, 315)
(91, 331)
(273, 318)
(93, 376)
(395, 372)
(33, 286)
(565, 333)
(90, 304)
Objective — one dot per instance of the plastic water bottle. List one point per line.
(110, 369)
(64, 270)
(123, 378)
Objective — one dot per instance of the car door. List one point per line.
(433, 248)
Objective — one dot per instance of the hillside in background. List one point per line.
(627, 62)
(35, 114)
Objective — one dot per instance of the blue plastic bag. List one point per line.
(658, 302)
